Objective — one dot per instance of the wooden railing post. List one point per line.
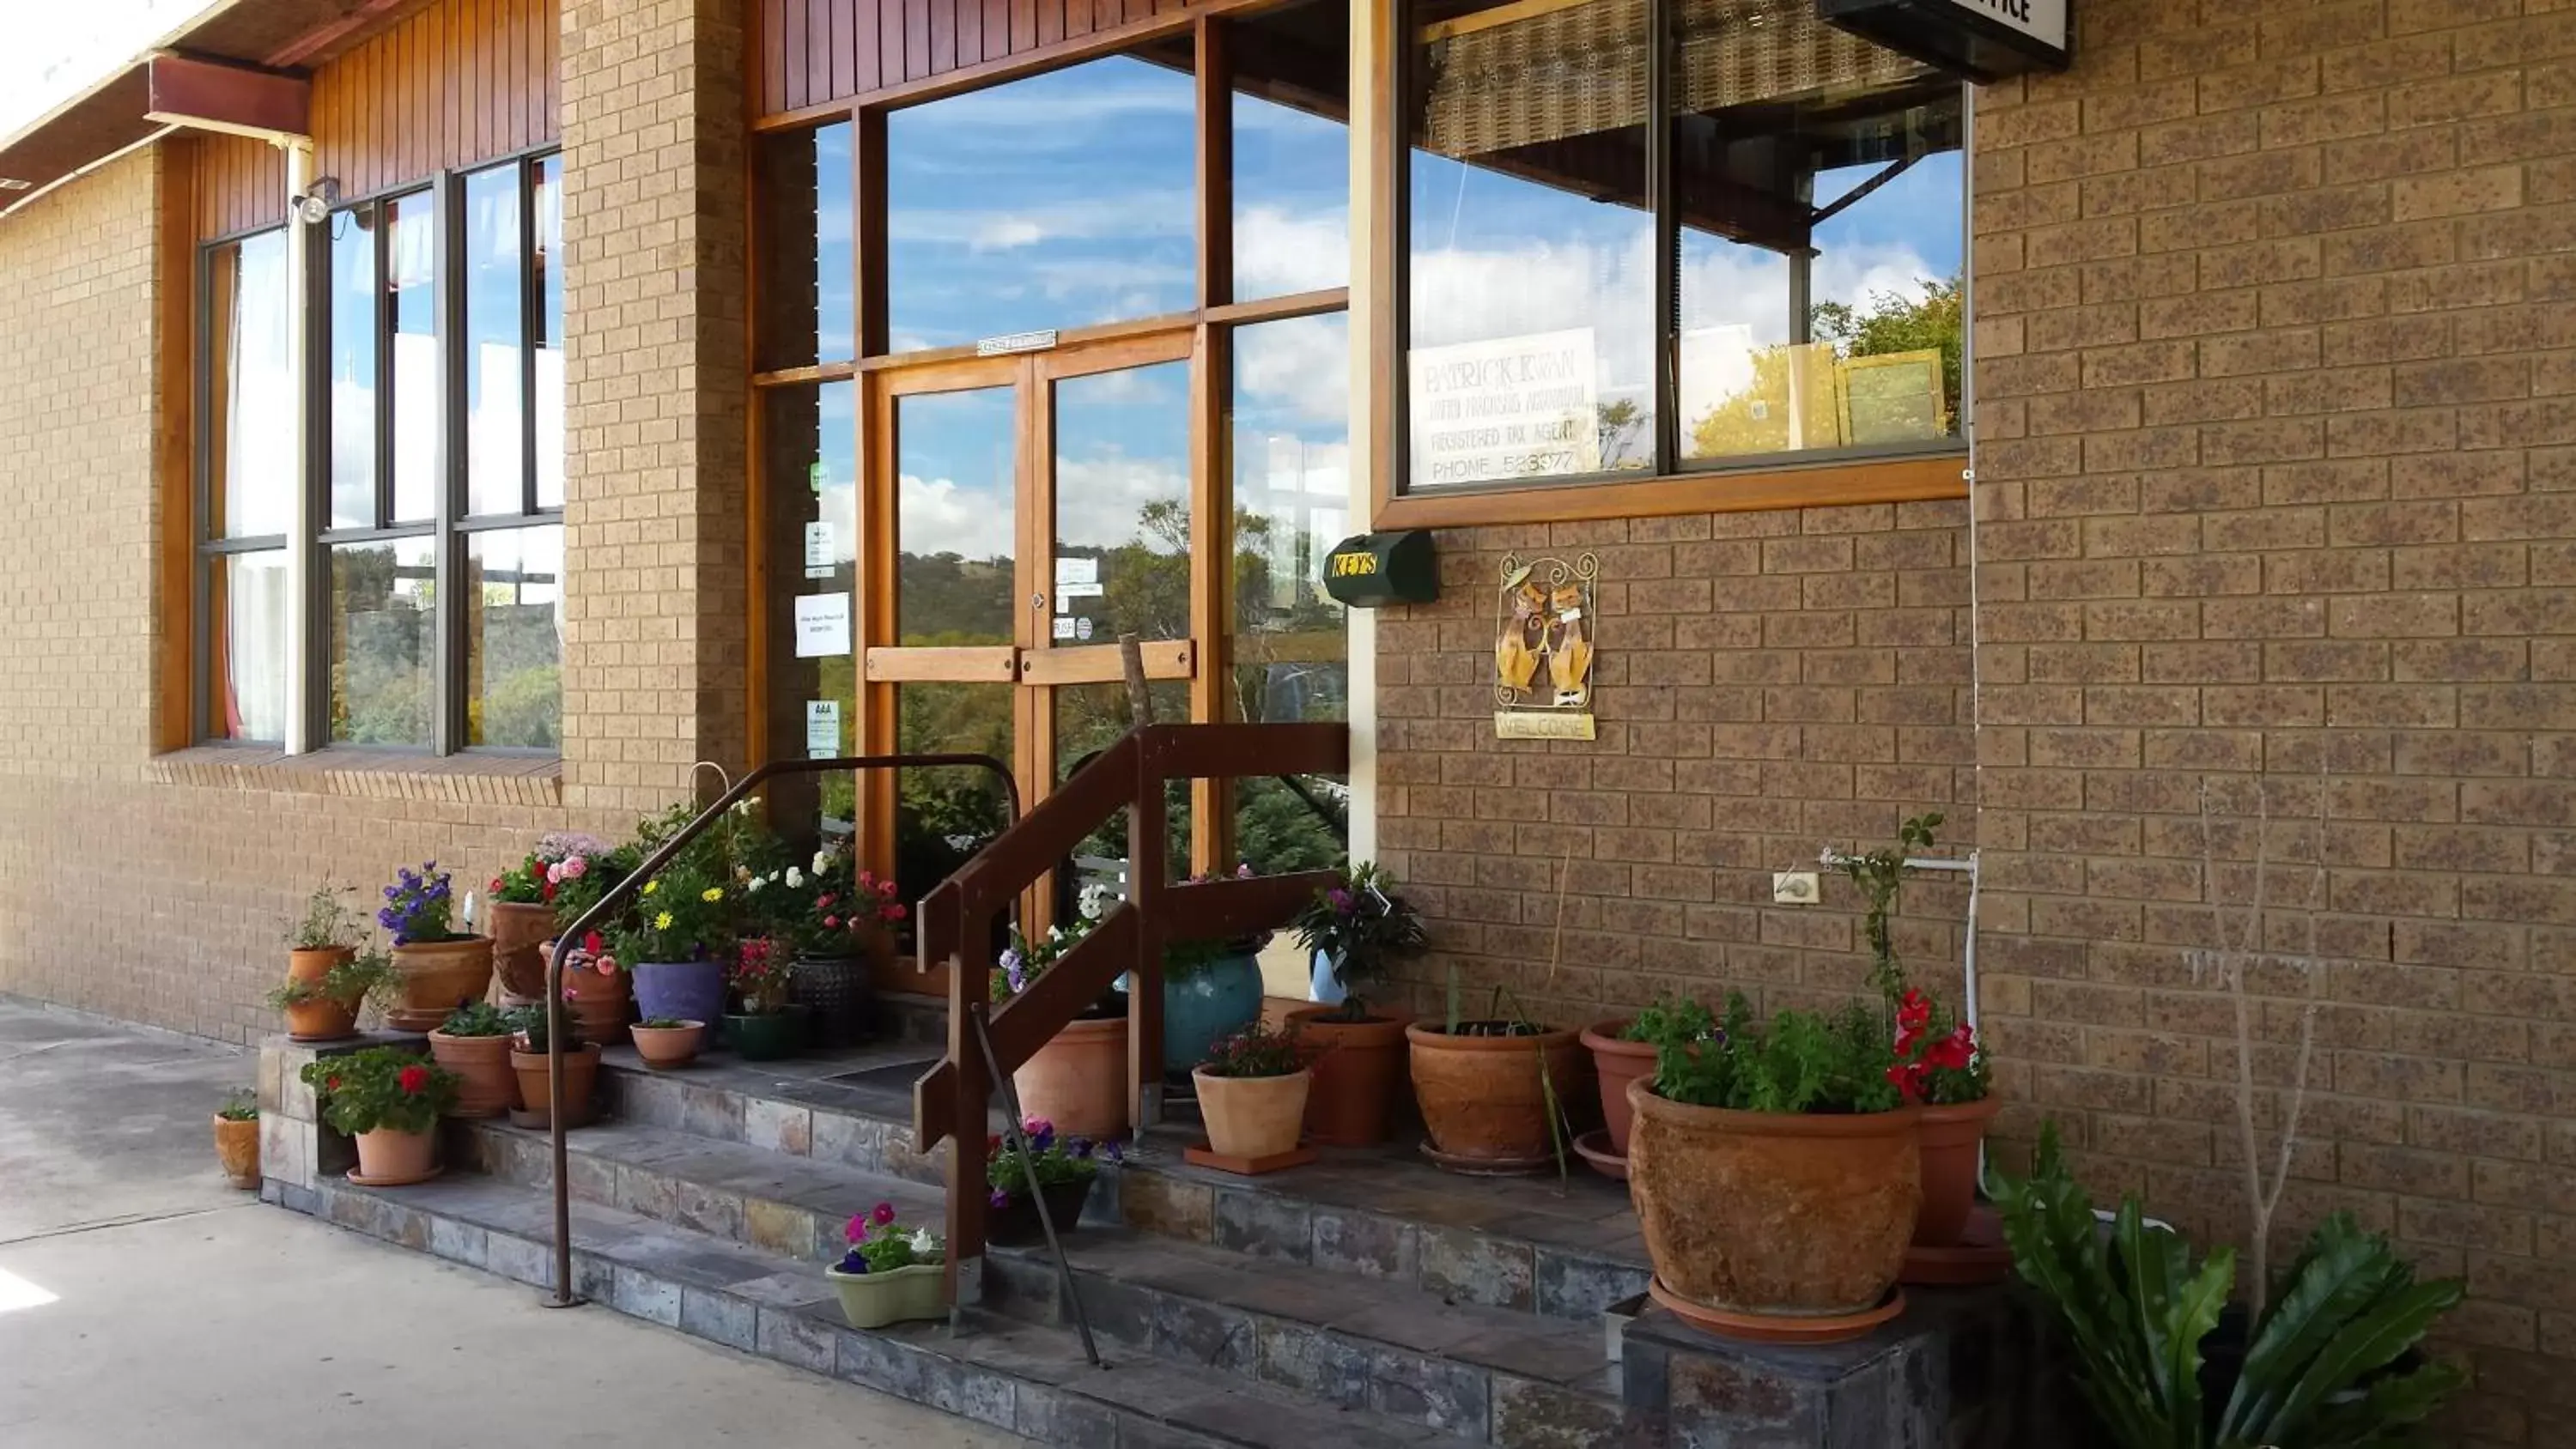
(1147, 861)
(969, 983)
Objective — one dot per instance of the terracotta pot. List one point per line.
(665, 1047)
(581, 1076)
(487, 1087)
(1078, 1081)
(387, 1158)
(237, 1148)
(320, 1019)
(1617, 1063)
(1253, 1116)
(599, 1003)
(898, 1295)
(518, 928)
(438, 977)
(1780, 1215)
(1951, 1137)
(1354, 1066)
(1480, 1095)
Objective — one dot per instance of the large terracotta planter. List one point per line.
(665, 1047)
(1354, 1065)
(1775, 1216)
(1951, 1137)
(598, 1003)
(387, 1158)
(681, 990)
(518, 929)
(485, 1087)
(237, 1148)
(1078, 1081)
(897, 1295)
(1253, 1117)
(1482, 1101)
(581, 1076)
(320, 1019)
(438, 977)
(1616, 1063)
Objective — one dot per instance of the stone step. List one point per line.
(1559, 1248)
(1029, 1379)
(1479, 1374)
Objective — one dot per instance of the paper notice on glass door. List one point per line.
(822, 625)
(818, 549)
(822, 729)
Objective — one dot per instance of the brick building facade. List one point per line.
(2275, 496)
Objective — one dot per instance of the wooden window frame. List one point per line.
(1818, 479)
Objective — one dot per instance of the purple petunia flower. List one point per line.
(1082, 1148)
(999, 1199)
(1114, 1152)
(1340, 900)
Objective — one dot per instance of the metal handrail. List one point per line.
(624, 891)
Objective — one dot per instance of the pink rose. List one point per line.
(554, 874)
(575, 867)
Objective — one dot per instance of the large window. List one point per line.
(437, 471)
(1790, 196)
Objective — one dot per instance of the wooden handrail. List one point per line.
(956, 922)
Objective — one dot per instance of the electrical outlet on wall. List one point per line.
(1795, 888)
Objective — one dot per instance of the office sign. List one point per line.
(1982, 40)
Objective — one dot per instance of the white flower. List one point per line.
(1095, 901)
(795, 878)
(822, 861)
(925, 1243)
(756, 883)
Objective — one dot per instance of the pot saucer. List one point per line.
(1980, 1256)
(1488, 1166)
(1594, 1146)
(1774, 1328)
(394, 1181)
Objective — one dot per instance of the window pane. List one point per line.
(353, 368)
(550, 357)
(1291, 505)
(807, 277)
(1818, 179)
(955, 512)
(246, 658)
(1292, 155)
(1059, 200)
(383, 642)
(514, 638)
(1089, 718)
(250, 441)
(944, 815)
(1122, 505)
(410, 264)
(809, 453)
(495, 325)
(1531, 319)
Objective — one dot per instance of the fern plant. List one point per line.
(2322, 1366)
(1803, 1062)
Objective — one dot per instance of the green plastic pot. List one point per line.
(766, 1036)
(898, 1295)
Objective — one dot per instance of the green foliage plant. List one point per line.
(1362, 928)
(530, 1023)
(1804, 1062)
(366, 981)
(2327, 1364)
(1878, 874)
(478, 1018)
(327, 922)
(241, 1106)
(1256, 1051)
(389, 1088)
(1671, 1018)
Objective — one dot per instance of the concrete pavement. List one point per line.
(141, 1300)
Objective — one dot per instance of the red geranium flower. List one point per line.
(414, 1080)
(330, 1084)
(590, 942)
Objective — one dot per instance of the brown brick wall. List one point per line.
(2277, 419)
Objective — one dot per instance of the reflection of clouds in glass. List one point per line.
(1005, 233)
(1287, 375)
(1101, 497)
(939, 515)
(1277, 253)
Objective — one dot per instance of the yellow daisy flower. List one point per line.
(662, 922)
(712, 893)
(651, 886)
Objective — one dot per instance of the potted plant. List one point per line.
(769, 1026)
(1039, 1161)
(2330, 1358)
(523, 910)
(322, 939)
(890, 1274)
(474, 1043)
(1623, 1051)
(237, 1139)
(1495, 1091)
(442, 968)
(528, 1061)
(836, 919)
(1776, 1175)
(1211, 990)
(1078, 1080)
(666, 1042)
(1353, 932)
(678, 942)
(596, 987)
(1940, 1067)
(389, 1099)
(1252, 1093)
(326, 1008)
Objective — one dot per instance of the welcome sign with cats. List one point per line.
(1543, 642)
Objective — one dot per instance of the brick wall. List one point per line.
(2276, 406)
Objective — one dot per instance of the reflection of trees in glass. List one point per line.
(943, 598)
(1090, 718)
(1898, 323)
(382, 642)
(1756, 420)
(943, 816)
(1145, 582)
(1288, 665)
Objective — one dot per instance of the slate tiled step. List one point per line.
(1028, 1379)
(1483, 1375)
(1564, 1250)
(797, 1206)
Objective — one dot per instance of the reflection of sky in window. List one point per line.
(953, 452)
(1292, 192)
(1121, 443)
(1060, 200)
(493, 328)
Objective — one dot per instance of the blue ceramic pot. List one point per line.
(683, 990)
(1208, 1007)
